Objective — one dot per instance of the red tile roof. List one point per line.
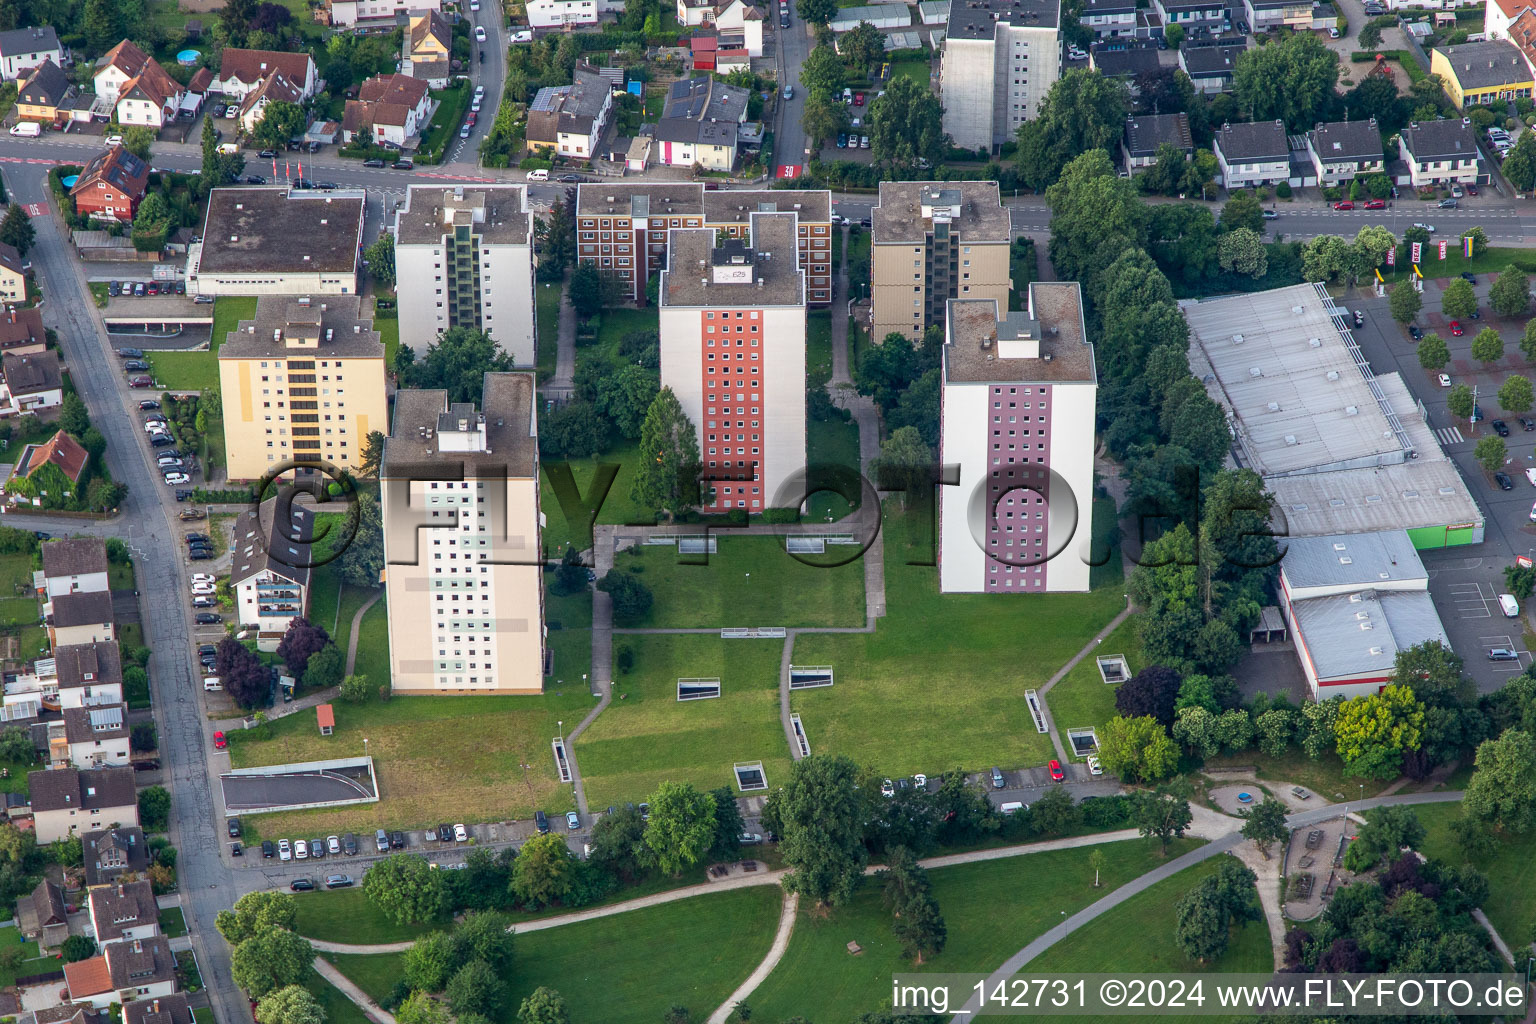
(116, 167)
(61, 450)
(251, 66)
(88, 977)
(325, 716)
(126, 57)
(402, 89)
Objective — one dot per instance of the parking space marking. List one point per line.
(1470, 600)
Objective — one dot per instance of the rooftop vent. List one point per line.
(1315, 342)
(1254, 371)
(1333, 374)
(1237, 339)
(1346, 560)
(1377, 650)
(1274, 406)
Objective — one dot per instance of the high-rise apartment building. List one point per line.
(933, 242)
(464, 258)
(304, 381)
(623, 229)
(1001, 57)
(1017, 417)
(461, 541)
(733, 351)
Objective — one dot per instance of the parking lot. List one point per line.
(1466, 594)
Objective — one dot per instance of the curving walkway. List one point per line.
(357, 620)
(371, 1009)
(787, 915)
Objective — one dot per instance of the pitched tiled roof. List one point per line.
(28, 40)
(74, 556)
(430, 24)
(277, 87)
(98, 722)
(1259, 140)
(116, 908)
(251, 66)
(48, 901)
(1483, 65)
(134, 963)
(88, 977)
(46, 86)
(81, 609)
(10, 259)
(395, 88)
(171, 1009)
(118, 168)
(125, 56)
(21, 327)
(1439, 140)
(63, 788)
(61, 450)
(1145, 132)
(1347, 140)
(111, 852)
(99, 664)
(154, 83)
(200, 81)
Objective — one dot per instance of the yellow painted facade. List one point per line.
(260, 410)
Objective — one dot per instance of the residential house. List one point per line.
(1253, 154)
(700, 124)
(56, 465)
(1439, 153)
(571, 119)
(388, 108)
(126, 910)
(79, 618)
(241, 72)
(135, 88)
(275, 88)
(1001, 58)
(377, 15)
(42, 93)
(1210, 68)
(112, 853)
(1499, 14)
(1344, 150)
(94, 737)
(1486, 72)
(31, 382)
(22, 331)
(69, 1013)
(1210, 15)
(111, 186)
(739, 19)
(1264, 15)
(141, 968)
(13, 275)
(1522, 31)
(1109, 18)
(1123, 62)
(427, 48)
(1144, 133)
(23, 49)
(171, 1009)
(115, 69)
(42, 916)
(68, 800)
(87, 675)
(561, 14)
(267, 241)
(74, 566)
(270, 571)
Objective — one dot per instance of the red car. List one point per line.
(1375, 204)
(1345, 205)
(1471, 190)
(219, 742)
(1456, 328)
(858, 99)
(1055, 769)
(141, 382)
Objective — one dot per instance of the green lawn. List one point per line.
(32, 961)
(610, 974)
(173, 923)
(16, 575)
(204, 1014)
(1137, 938)
(831, 442)
(618, 322)
(452, 102)
(1082, 698)
(19, 611)
(373, 645)
(1107, 567)
(749, 581)
(940, 683)
(120, 575)
(571, 644)
(338, 1008)
(1490, 261)
(346, 915)
(1325, 776)
(917, 70)
(818, 348)
(546, 300)
(616, 508)
(199, 371)
(819, 980)
(431, 753)
(647, 736)
(389, 334)
(1511, 870)
(228, 311)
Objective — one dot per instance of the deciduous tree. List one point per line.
(906, 126)
(1241, 251)
(381, 266)
(1515, 394)
(154, 808)
(632, 599)
(1458, 301)
(1243, 210)
(1291, 81)
(1510, 294)
(544, 1005)
(457, 362)
(1491, 453)
(544, 872)
(1152, 691)
(430, 962)
(476, 988)
(1162, 813)
(821, 814)
(1137, 749)
(291, 1004)
(325, 668)
(1083, 110)
(862, 47)
(1374, 731)
(1264, 824)
(1433, 352)
(1405, 303)
(300, 642)
(405, 888)
(17, 230)
(256, 912)
(271, 959)
(682, 826)
(1502, 793)
(1488, 346)
(1460, 402)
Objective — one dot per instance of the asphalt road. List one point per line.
(162, 577)
(791, 145)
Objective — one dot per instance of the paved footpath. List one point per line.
(787, 914)
(344, 984)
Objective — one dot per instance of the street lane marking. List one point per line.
(1449, 435)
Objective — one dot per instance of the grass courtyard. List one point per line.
(346, 915)
(199, 370)
(1511, 870)
(941, 681)
(647, 736)
(546, 304)
(571, 645)
(819, 980)
(431, 753)
(630, 967)
(749, 581)
(616, 508)
(1082, 698)
(830, 442)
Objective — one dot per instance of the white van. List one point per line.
(1509, 605)
(538, 175)
(212, 683)
(27, 129)
(228, 148)
(1012, 807)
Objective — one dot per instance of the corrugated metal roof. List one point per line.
(1361, 633)
(1358, 559)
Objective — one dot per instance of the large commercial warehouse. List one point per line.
(1343, 450)
(1351, 604)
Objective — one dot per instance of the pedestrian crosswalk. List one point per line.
(1449, 435)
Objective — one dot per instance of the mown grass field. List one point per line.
(1082, 698)
(1510, 869)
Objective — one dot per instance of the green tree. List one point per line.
(728, 825)
(618, 843)
(16, 745)
(1520, 581)
(355, 689)
(1243, 210)
(1264, 825)
(817, 12)
(821, 813)
(544, 1005)
(1528, 340)
(1373, 732)
(1479, 240)
(154, 808)
(1137, 749)
(862, 48)
(1275, 729)
(421, 1008)
(1291, 81)
(17, 230)
(381, 262)
(406, 889)
(1201, 925)
(1162, 813)
(1433, 351)
(1326, 258)
(1084, 110)
(668, 467)
(906, 126)
(73, 419)
(256, 912)
(457, 362)
(101, 25)
(373, 448)
(1519, 168)
(361, 562)
(1510, 294)
(1095, 217)
(77, 948)
(1319, 721)
(544, 872)
(1460, 402)
(1458, 301)
(325, 667)
(280, 121)
(823, 118)
(1487, 347)
(1502, 793)
(592, 290)
(1242, 252)
(1384, 835)
(822, 71)
(682, 826)
(1515, 394)
(1491, 453)
(918, 925)
(1405, 303)
(625, 397)
(905, 461)
(430, 962)
(477, 989)
(1197, 728)
(632, 599)
(291, 1004)
(271, 959)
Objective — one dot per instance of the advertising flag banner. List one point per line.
(1466, 247)
(1418, 251)
(1392, 256)
(1443, 246)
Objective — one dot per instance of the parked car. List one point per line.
(138, 287)
(219, 741)
(460, 834)
(255, 179)
(203, 601)
(1054, 767)
(1094, 768)
(464, 132)
(1447, 204)
(1502, 479)
(1469, 277)
(284, 852)
(1471, 190)
(1415, 332)
(141, 382)
(1271, 215)
(540, 822)
(349, 844)
(1456, 328)
(209, 619)
(1344, 205)
(374, 162)
(1375, 204)
(327, 186)
(572, 821)
(177, 478)
(268, 848)
(149, 403)
(887, 788)
(397, 840)
(135, 366)
(381, 841)
(302, 885)
(317, 848)
(445, 833)
(1456, 190)
(200, 555)
(134, 353)
(479, 33)
(997, 778)
(1500, 427)
(268, 154)
(337, 881)
(234, 828)
(403, 165)
(1502, 654)
(842, 142)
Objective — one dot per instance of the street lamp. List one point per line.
(561, 724)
